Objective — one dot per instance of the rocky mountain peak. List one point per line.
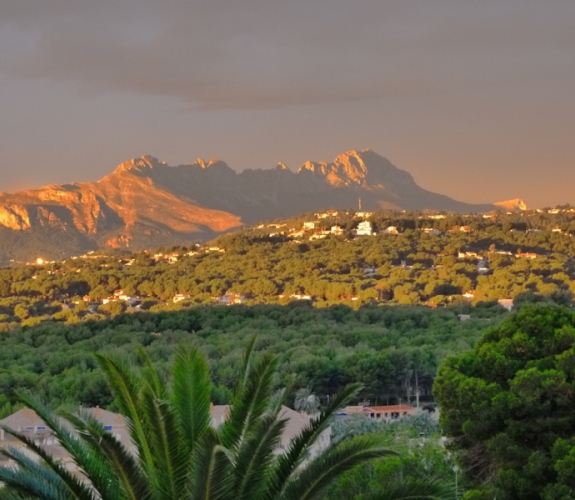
(511, 205)
(146, 162)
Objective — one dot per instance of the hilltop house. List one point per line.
(336, 230)
(231, 298)
(390, 230)
(364, 229)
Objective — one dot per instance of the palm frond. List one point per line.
(191, 394)
(210, 476)
(253, 459)
(49, 467)
(247, 362)
(150, 375)
(328, 466)
(301, 444)
(33, 479)
(127, 388)
(166, 440)
(250, 403)
(121, 472)
(87, 460)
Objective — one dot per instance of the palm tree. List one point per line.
(306, 401)
(179, 455)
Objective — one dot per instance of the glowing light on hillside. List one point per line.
(40, 261)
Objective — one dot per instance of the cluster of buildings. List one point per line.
(27, 422)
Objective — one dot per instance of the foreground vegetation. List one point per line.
(179, 456)
(508, 407)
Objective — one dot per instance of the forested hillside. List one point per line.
(410, 259)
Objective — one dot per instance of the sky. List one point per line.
(475, 99)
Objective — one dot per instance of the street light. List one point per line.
(456, 470)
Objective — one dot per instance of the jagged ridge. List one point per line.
(144, 202)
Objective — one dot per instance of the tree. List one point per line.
(508, 404)
(306, 401)
(179, 455)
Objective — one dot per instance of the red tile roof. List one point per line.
(391, 408)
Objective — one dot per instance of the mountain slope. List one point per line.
(145, 202)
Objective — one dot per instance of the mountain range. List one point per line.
(146, 203)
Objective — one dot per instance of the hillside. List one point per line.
(145, 203)
(328, 258)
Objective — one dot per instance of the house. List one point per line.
(350, 410)
(389, 413)
(431, 231)
(336, 230)
(526, 255)
(364, 229)
(482, 267)
(317, 237)
(390, 230)
(231, 298)
(468, 255)
(298, 234)
(507, 303)
(295, 423)
(370, 271)
(385, 413)
(32, 426)
(179, 297)
(309, 226)
(299, 296)
(131, 300)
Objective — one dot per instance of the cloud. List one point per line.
(265, 54)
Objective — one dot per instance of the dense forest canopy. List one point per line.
(393, 351)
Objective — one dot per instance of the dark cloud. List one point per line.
(256, 54)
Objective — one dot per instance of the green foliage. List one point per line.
(388, 349)
(421, 458)
(508, 404)
(178, 454)
(267, 265)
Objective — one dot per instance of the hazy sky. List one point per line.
(475, 99)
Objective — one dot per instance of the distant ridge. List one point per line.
(146, 203)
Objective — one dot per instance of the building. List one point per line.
(27, 422)
(385, 413)
(309, 226)
(364, 229)
(336, 230)
(295, 423)
(390, 230)
(507, 303)
(526, 255)
(370, 272)
(179, 297)
(231, 298)
(389, 413)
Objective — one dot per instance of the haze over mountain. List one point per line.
(145, 203)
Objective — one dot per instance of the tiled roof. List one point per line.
(391, 408)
